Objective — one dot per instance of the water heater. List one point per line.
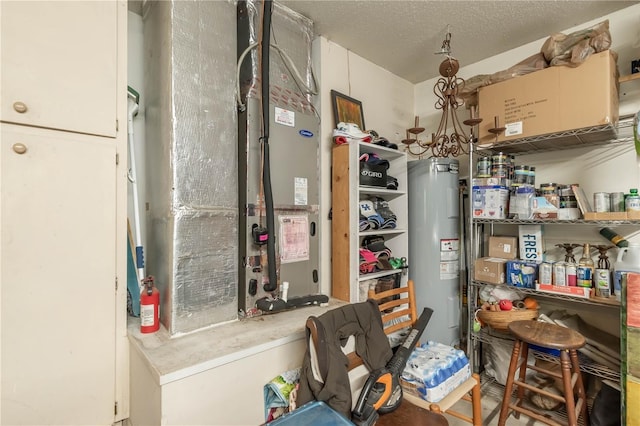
(434, 244)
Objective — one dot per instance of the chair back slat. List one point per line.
(405, 296)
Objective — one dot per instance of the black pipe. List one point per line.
(272, 285)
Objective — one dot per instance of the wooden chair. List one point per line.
(398, 307)
(407, 414)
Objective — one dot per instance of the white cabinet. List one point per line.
(63, 231)
(59, 65)
(347, 238)
(58, 277)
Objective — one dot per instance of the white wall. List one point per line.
(603, 169)
(625, 34)
(387, 104)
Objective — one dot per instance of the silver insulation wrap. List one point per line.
(192, 172)
(291, 39)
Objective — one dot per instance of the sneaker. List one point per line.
(349, 132)
(369, 212)
(375, 244)
(384, 142)
(368, 261)
(373, 158)
(382, 207)
(392, 183)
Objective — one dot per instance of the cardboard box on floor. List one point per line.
(551, 100)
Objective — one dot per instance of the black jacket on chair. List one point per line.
(363, 321)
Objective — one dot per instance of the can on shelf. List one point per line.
(531, 177)
(571, 274)
(521, 174)
(545, 273)
(548, 188)
(484, 167)
(616, 201)
(560, 274)
(500, 158)
(601, 201)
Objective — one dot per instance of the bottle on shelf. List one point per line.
(586, 267)
(615, 238)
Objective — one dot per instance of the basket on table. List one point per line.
(499, 320)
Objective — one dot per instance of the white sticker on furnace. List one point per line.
(286, 117)
(512, 129)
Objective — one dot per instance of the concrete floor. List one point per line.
(490, 413)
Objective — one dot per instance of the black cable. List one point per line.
(272, 285)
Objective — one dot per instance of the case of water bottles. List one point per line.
(433, 370)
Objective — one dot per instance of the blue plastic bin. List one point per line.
(315, 413)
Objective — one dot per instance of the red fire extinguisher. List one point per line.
(149, 307)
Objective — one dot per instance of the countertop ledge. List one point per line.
(174, 358)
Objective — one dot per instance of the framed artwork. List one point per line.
(346, 109)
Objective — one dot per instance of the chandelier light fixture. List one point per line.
(449, 139)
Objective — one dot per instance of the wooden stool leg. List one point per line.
(584, 410)
(565, 364)
(524, 356)
(515, 358)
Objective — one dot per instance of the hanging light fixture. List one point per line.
(454, 143)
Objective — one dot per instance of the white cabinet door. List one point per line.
(58, 64)
(58, 267)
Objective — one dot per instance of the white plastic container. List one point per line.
(628, 260)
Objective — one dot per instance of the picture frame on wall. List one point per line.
(347, 110)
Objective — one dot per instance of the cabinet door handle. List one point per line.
(19, 148)
(20, 107)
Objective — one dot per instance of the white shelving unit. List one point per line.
(346, 235)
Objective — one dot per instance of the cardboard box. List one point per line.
(373, 174)
(551, 100)
(531, 243)
(490, 202)
(489, 270)
(503, 247)
(522, 274)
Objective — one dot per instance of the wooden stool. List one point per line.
(554, 337)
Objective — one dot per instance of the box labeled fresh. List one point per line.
(531, 243)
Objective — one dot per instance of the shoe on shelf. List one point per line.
(373, 158)
(349, 132)
(382, 207)
(369, 212)
(392, 183)
(384, 142)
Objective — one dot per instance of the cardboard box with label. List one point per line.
(490, 270)
(551, 100)
(503, 247)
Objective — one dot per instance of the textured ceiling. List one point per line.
(402, 36)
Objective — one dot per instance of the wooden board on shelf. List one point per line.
(612, 216)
